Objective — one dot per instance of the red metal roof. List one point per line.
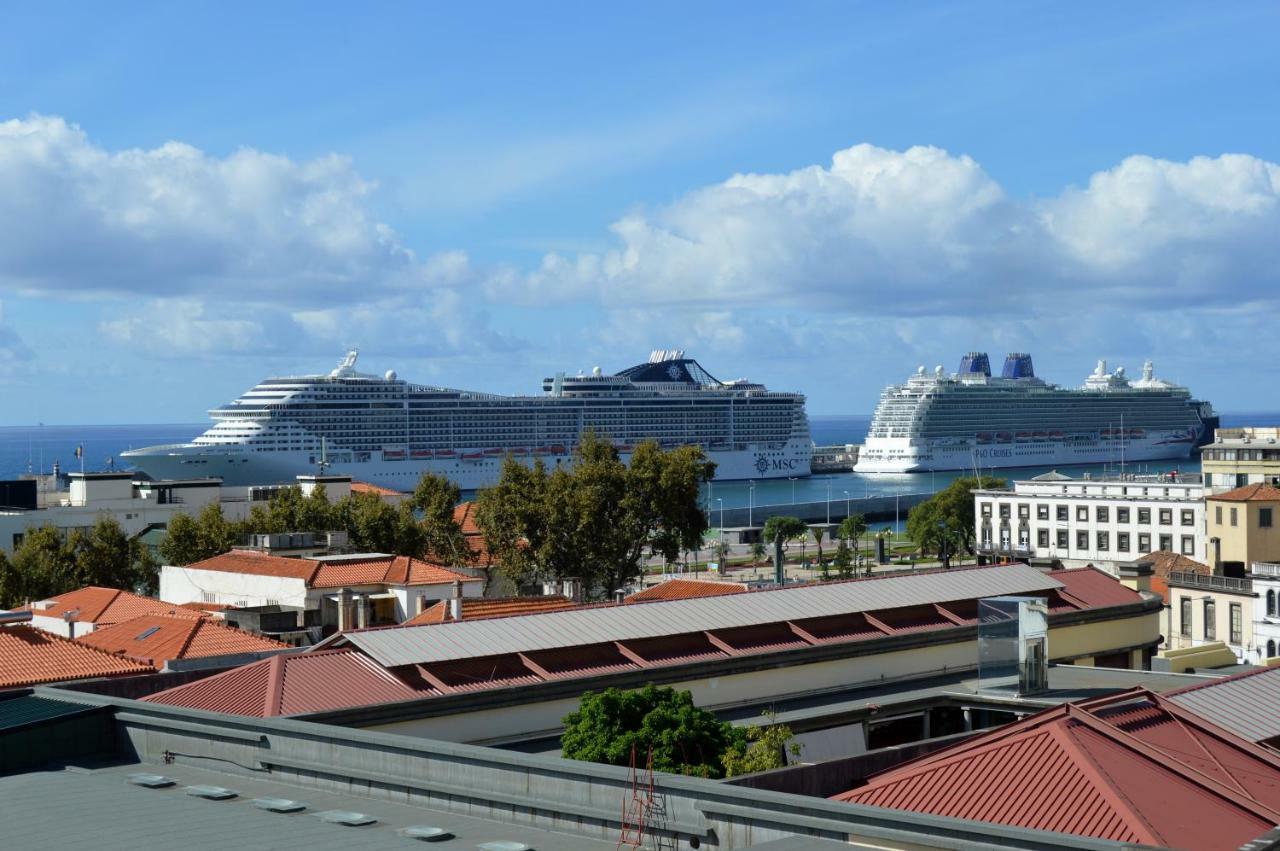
(292, 684)
(156, 639)
(1132, 767)
(30, 656)
(683, 589)
(98, 605)
(1090, 588)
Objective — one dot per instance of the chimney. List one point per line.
(344, 610)
(420, 605)
(69, 618)
(455, 602)
(619, 596)
(362, 611)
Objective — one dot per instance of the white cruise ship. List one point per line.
(972, 419)
(388, 432)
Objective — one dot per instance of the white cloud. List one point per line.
(184, 326)
(923, 232)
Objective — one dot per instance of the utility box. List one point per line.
(1013, 645)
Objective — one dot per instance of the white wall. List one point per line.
(191, 585)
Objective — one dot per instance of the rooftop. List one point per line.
(29, 656)
(97, 605)
(478, 608)
(1234, 702)
(679, 588)
(336, 571)
(1259, 492)
(157, 639)
(365, 487)
(1133, 767)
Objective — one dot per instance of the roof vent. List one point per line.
(426, 833)
(279, 805)
(151, 781)
(212, 793)
(347, 817)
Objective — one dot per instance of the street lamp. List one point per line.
(721, 501)
(793, 491)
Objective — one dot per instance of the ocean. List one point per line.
(31, 448)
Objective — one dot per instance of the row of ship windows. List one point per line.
(1101, 513)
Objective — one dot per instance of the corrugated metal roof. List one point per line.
(1244, 704)
(29, 709)
(464, 640)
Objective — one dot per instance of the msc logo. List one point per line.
(764, 465)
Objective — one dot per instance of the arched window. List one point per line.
(1271, 648)
(1271, 602)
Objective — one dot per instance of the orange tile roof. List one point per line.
(1164, 561)
(99, 605)
(374, 570)
(30, 656)
(206, 607)
(684, 589)
(292, 684)
(465, 516)
(258, 564)
(365, 487)
(1258, 492)
(155, 640)
(477, 608)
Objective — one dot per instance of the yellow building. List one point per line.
(1243, 527)
(1242, 456)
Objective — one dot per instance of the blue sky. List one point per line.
(817, 196)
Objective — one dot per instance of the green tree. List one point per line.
(945, 521)
(819, 532)
(685, 739)
(181, 544)
(852, 528)
(758, 551)
(764, 748)
(595, 519)
(372, 525)
(435, 498)
(843, 560)
(42, 565)
(103, 556)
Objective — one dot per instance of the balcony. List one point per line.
(1214, 583)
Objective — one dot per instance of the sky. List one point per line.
(816, 196)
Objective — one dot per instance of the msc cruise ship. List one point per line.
(386, 431)
(972, 419)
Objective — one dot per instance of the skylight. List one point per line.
(148, 632)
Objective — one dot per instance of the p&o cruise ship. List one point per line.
(974, 419)
(388, 432)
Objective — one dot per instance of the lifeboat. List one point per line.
(393, 455)
(1024, 435)
(1137, 433)
(1039, 435)
(1004, 437)
(472, 456)
(420, 453)
(1055, 435)
(445, 453)
(519, 452)
(985, 437)
(493, 453)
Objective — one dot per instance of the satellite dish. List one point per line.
(391, 375)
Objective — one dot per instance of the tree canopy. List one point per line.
(945, 521)
(685, 739)
(48, 563)
(784, 528)
(594, 519)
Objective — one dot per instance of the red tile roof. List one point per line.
(365, 487)
(374, 570)
(156, 639)
(292, 684)
(30, 656)
(1089, 588)
(99, 605)
(476, 608)
(1258, 492)
(684, 589)
(1163, 562)
(465, 516)
(1132, 767)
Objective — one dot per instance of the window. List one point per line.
(1264, 518)
(1188, 545)
(1024, 511)
(1144, 543)
(1233, 515)
(1042, 538)
(1237, 626)
(1122, 515)
(1042, 512)
(1184, 624)
(1063, 539)
(1102, 513)
(1004, 511)
(1122, 542)
(1271, 648)
(1144, 516)
(1063, 513)
(1217, 514)
(1271, 604)
(986, 509)
(1104, 542)
(1166, 542)
(1166, 517)
(1082, 512)
(1210, 621)
(1188, 517)
(1082, 540)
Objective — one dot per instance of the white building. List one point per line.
(1265, 581)
(141, 505)
(1092, 521)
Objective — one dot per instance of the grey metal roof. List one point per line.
(1245, 705)
(28, 709)
(576, 627)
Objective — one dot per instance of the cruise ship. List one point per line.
(385, 431)
(972, 419)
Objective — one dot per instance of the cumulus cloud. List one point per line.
(924, 232)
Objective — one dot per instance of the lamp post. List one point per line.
(721, 501)
(848, 507)
(793, 492)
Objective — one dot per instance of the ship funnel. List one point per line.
(975, 363)
(1018, 365)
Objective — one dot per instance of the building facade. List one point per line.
(1206, 609)
(1243, 527)
(1242, 456)
(1092, 521)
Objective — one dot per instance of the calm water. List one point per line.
(24, 448)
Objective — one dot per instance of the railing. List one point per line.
(1265, 568)
(1220, 583)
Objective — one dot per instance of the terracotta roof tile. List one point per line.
(99, 605)
(465, 516)
(30, 656)
(258, 564)
(684, 589)
(155, 640)
(1164, 561)
(475, 608)
(292, 684)
(1258, 492)
(373, 570)
(1133, 767)
(365, 487)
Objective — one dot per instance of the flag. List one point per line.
(80, 451)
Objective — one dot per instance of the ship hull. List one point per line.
(908, 455)
(236, 466)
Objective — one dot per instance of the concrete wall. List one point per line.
(192, 585)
